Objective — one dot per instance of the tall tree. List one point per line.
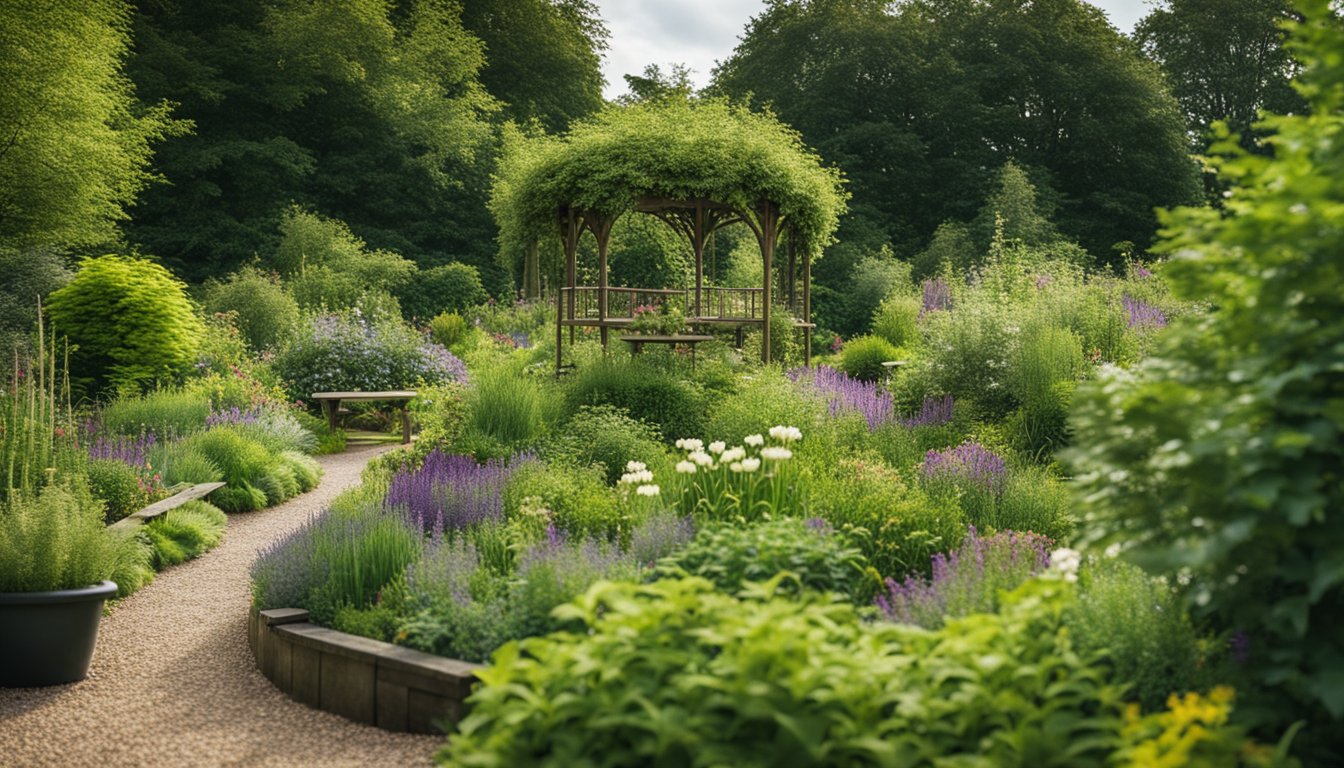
(654, 84)
(74, 144)
(921, 102)
(1224, 59)
(364, 110)
(543, 57)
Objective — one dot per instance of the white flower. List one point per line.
(776, 453)
(733, 454)
(735, 467)
(701, 458)
(647, 490)
(685, 468)
(751, 465)
(642, 476)
(1066, 561)
(786, 434)
(635, 466)
(690, 444)
(755, 440)
(717, 446)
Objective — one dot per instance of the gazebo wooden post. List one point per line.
(807, 308)
(698, 242)
(793, 271)
(601, 227)
(570, 229)
(769, 221)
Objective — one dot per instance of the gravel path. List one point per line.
(174, 684)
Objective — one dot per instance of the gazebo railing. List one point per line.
(728, 304)
(731, 303)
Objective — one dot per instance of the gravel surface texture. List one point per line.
(174, 684)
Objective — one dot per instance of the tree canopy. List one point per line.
(675, 149)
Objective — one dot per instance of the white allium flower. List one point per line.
(635, 466)
(685, 468)
(733, 454)
(641, 476)
(785, 434)
(751, 465)
(701, 458)
(776, 453)
(736, 466)
(755, 440)
(690, 444)
(647, 490)
(1066, 561)
(717, 446)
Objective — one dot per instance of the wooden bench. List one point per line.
(331, 406)
(161, 508)
(637, 342)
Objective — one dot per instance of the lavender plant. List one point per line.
(450, 493)
(846, 394)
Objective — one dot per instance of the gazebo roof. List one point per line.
(665, 156)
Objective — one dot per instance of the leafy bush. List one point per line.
(785, 348)
(345, 352)
(897, 526)
(862, 358)
(1219, 458)
(1139, 624)
(802, 682)
(969, 580)
(873, 279)
(118, 486)
(578, 500)
(974, 343)
(816, 557)
(1196, 731)
(648, 393)
(167, 413)
(264, 312)
(1046, 363)
(505, 412)
(897, 320)
(601, 434)
(448, 288)
(30, 275)
(56, 540)
(183, 463)
(758, 404)
(448, 328)
(129, 322)
(246, 465)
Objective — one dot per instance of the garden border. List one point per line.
(368, 681)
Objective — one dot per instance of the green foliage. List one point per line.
(1041, 375)
(30, 275)
(671, 148)
(77, 142)
(950, 249)
(1219, 457)
(448, 288)
(730, 555)
(243, 463)
(897, 526)
(758, 404)
(770, 681)
(448, 328)
(1013, 213)
(118, 486)
(1142, 629)
(183, 463)
(1035, 500)
(604, 435)
(897, 320)
(646, 392)
(647, 253)
(166, 413)
(56, 540)
(974, 343)
(862, 357)
(506, 412)
(129, 321)
(873, 279)
(785, 347)
(578, 499)
(264, 312)
(185, 533)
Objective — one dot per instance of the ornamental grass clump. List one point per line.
(967, 580)
(449, 493)
(846, 394)
(56, 539)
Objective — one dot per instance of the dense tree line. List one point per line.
(189, 130)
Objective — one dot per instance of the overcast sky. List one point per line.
(699, 32)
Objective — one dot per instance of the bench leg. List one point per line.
(405, 425)
(332, 407)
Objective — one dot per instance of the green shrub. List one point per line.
(449, 288)
(816, 558)
(185, 533)
(862, 358)
(118, 486)
(129, 322)
(1035, 500)
(263, 311)
(328, 440)
(242, 464)
(30, 276)
(578, 499)
(439, 411)
(760, 403)
(505, 412)
(448, 328)
(166, 413)
(1046, 363)
(717, 680)
(1144, 632)
(56, 540)
(648, 393)
(601, 434)
(785, 340)
(897, 320)
(970, 349)
(135, 569)
(897, 526)
(182, 463)
(307, 472)
(278, 430)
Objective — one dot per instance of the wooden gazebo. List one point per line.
(696, 166)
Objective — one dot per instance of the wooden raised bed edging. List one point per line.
(163, 506)
(368, 681)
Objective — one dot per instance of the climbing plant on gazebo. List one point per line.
(697, 166)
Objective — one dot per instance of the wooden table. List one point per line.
(637, 342)
(331, 405)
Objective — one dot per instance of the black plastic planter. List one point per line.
(47, 638)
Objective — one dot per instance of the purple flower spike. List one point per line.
(844, 394)
(450, 493)
(937, 296)
(1143, 315)
(968, 462)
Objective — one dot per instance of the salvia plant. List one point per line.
(846, 394)
(967, 464)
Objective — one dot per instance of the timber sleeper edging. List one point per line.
(368, 681)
